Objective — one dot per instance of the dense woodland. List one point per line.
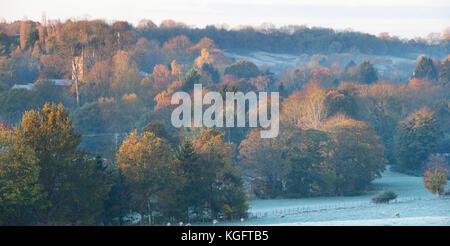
(101, 147)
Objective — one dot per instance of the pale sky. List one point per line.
(405, 18)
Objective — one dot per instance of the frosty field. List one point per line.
(414, 206)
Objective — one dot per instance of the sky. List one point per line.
(404, 18)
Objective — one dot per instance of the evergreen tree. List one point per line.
(425, 69)
(223, 193)
(191, 77)
(211, 71)
(191, 169)
(417, 136)
(117, 205)
(444, 74)
(366, 73)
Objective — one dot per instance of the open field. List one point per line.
(414, 205)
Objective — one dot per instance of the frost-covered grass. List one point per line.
(276, 61)
(414, 206)
(418, 221)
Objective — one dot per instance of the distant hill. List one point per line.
(303, 40)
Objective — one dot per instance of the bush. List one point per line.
(384, 197)
(243, 69)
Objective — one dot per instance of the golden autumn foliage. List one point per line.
(163, 99)
(73, 181)
(149, 168)
(305, 109)
(177, 70)
(417, 83)
(259, 155)
(162, 77)
(435, 180)
(358, 155)
(140, 156)
(204, 43)
(20, 191)
(214, 57)
(335, 136)
(324, 76)
(177, 48)
(130, 98)
(125, 74)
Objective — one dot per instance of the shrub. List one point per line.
(384, 197)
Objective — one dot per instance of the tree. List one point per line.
(161, 77)
(230, 198)
(157, 127)
(145, 25)
(191, 77)
(260, 157)
(73, 182)
(305, 109)
(86, 187)
(436, 173)
(25, 29)
(87, 118)
(192, 172)
(425, 69)
(146, 54)
(177, 70)
(149, 169)
(20, 192)
(294, 79)
(307, 169)
(47, 91)
(16, 101)
(224, 194)
(419, 84)
(53, 67)
(340, 101)
(211, 73)
(214, 57)
(125, 74)
(358, 155)
(382, 109)
(435, 180)
(8, 70)
(126, 34)
(97, 81)
(324, 76)
(242, 69)
(50, 133)
(204, 44)
(117, 205)
(366, 73)
(444, 74)
(177, 48)
(417, 136)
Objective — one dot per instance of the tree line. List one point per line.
(340, 123)
(47, 180)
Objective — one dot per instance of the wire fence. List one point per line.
(323, 207)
